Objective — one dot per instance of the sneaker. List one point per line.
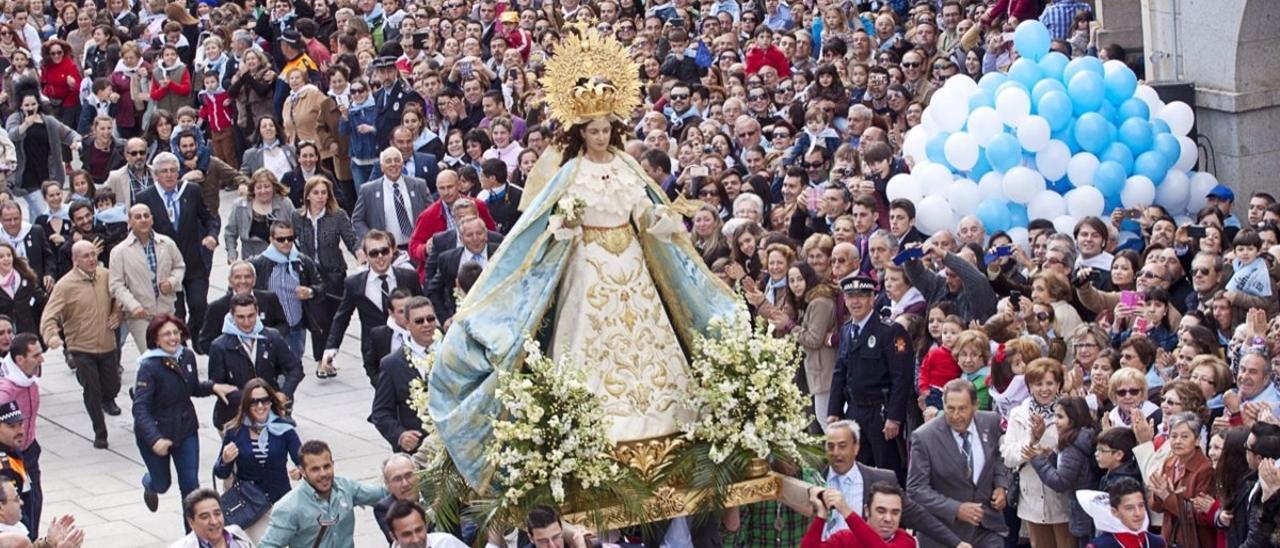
(152, 499)
(109, 407)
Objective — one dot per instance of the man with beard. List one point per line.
(204, 169)
(19, 383)
(134, 177)
(407, 523)
(293, 518)
(82, 228)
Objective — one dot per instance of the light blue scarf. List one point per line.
(160, 353)
(113, 214)
(229, 327)
(63, 213)
(275, 426)
(981, 373)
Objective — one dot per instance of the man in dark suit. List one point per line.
(241, 278)
(391, 202)
(475, 248)
(418, 165)
(503, 199)
(247, 350)
(854, 481)
(28, 241)
(391, 414)
(392, 98)
(956, 469)
(444, 241)
(180, 213)
(873, 377)
(391, 336)
(368, 292)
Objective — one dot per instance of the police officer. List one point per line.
(391, 98)
(871, 384)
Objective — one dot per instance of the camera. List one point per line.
(845, 171)
(707, 149)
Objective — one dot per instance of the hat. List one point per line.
(291, 37)
(1221, 192)
(509, 16)
(385, 61)
(9, 413)
(857, 284)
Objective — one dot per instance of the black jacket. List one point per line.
(440, 286)
(39, 255)
(308, 276)
(162, 395)
(269, 311)
(876, 366)
(371, 313)
(505, 209)
(229, 364)
(391, 413)
(195, 223)
(23, 306)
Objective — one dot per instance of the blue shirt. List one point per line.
(781, 20)
(851, 488)
(297, 518)
(1060, 17)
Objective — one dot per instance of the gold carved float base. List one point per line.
(648, 457)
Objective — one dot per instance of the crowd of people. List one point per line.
(969, 386)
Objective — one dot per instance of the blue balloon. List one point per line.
(1111, 203)
(1026, 71)
(1133, 108)
(1092, 133)
(1052, 65)
(982, 167)
(1061, 186)
(1136, 134)
(1004, 152)
(991, 81)
(1168, 146)
(1109, 178)
(1121, 83)
(1032, 39)
(1086, 91)
(1079, 64)
(936, 147)
(994, 214)
(981, 97)
(1119, 153)
(1113, 132)
(1151, 164)
(1109, 111)
(1055, 107)
(1018, 215)
(1068, 136)
(1045, 86)
(1160, 126)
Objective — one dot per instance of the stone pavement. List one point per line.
(103, 489)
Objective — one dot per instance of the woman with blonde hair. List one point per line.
(707, 235)
(249, 227)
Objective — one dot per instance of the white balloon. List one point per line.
(962, 83)
(931, 175)
(915, 145)
(1020, 237)
(1149, 96)
(964, 197)
(1081, 167)
(1172, 193)
(1138, 192)
(950, 108)
(1013, 106)
(1085, 202)
(1201, 184)
(1021, 184)
(1064, 224)
(1052, 160)
(904, 185)
(933, 214)
(961, 150)
(1189, 154)
(1033, 133)
(1046, 204)
(991, 185)
(929, 123)
(984, 125)
(1179, 116)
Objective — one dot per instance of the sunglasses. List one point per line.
(378, 252)
(1042, 316)
(1172, 402)
(1201, 271)
(285, 239)
(136, 153)
(260, 401)
(1148, 274)
(679, 96)
(358, 90)
(781, 135)
(1124, 392)
(756, 97)
(813, 165)
(424, 320)
(910, 65)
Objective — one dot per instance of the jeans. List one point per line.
(33, 499)
(297, 338)
(99, 376)
(193, 301)
(360, 174)
(185, 455)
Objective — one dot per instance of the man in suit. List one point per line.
(29, 242)
(475, 248)
(444, 241)
(368, 292)
(247, 350)
(180, 213)
(396, 421)
(391, 202)
(392, 98)
(294, 279)
(502, 199)
(853, 480)
(391, 336)
(956, 471)
(418, 165)
(873, 377)
(242, 277)
(441, 217)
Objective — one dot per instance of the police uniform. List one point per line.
(872, 382)
(12, 467)
(390, 101)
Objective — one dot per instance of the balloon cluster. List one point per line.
(1053, 139)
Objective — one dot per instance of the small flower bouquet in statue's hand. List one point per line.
(566, 218)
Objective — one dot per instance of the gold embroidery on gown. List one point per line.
(611, 314)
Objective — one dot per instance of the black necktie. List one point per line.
(386, 294)
(402, 214)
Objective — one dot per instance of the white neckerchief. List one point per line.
(15, 373)
(399, 335)
(19, 242)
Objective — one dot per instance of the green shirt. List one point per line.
(297, 518)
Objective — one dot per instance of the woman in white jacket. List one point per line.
(1044, 510)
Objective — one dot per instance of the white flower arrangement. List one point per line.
(553, 434)
(566, 217)
(742, 384)
(432, 448)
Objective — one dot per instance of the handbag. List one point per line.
(244, 503)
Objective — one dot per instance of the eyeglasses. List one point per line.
(1054, 260)
(1087, 345)
(424, 320)
(285, 239)
(260, 401)
(1125, 392)
(378, 252)
(136, 153)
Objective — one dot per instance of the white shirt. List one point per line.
(373, 287)
(389, 208)
(977, 456)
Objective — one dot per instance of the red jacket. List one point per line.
(1021, 9)
(217, 109)
(758, 58)
(938, 367)
(431, 222)
(182, 88)
(858, 535)
(53, 82)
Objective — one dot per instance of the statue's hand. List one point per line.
(665, 223)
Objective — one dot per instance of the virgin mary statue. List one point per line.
(622, 291)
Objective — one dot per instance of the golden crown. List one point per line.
(590, 76)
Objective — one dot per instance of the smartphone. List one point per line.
(1015, 300)
(915, 253)
(465, 69)
(1132, 299)
(698, 170)
(998, 252)
(1196, 231)
(1134, 213)
(813, 199)
(1141, 325)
